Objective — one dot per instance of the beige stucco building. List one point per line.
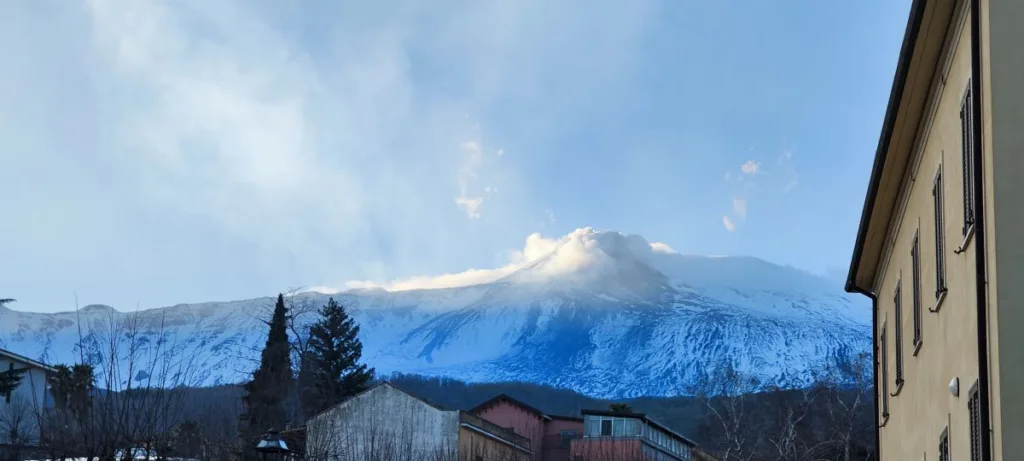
(940, 249)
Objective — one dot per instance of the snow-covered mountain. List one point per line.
(603, 313)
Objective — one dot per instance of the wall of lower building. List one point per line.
(475, 446)
(554, 448)
(21, 409)
(522, 421)
(607, 449)
(922, 408)
(380, 422)
(1002, 70)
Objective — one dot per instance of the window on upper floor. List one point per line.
(974, 413)
(915, 263)
(968, 151)
(944, 445)
(883, 358)
(940, 235)
(606, 427)
(898, 336)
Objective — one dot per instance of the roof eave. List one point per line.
(892, 110)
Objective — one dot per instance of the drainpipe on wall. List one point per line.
(874, 362)
(979, 234)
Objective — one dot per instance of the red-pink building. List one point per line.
(551, 436)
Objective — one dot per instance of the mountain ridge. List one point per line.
(577, 315)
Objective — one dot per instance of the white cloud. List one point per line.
(660, 247)
(469, 177)
(254, 138)
(325, 290)
(470, 205)
(750, 167)
(729, 225)
(739, 207)
(578, 249)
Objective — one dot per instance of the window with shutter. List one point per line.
(883, 358)
(944, 445)
(968, 152)
(915, 257)
(974, 413)
(898, 337)
(940, 235)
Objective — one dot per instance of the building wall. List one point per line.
(553, 450)
(24, 404)
(924, 407)
(522, 421)
(607, 449)
(475, 446)
(556, 426)
(1003, 108)
(379, 422)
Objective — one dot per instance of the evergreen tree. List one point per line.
(331, 368)
(10, 379)
(267, 393)
(620, 408)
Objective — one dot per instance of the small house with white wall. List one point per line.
(20, 408)
(385, 422)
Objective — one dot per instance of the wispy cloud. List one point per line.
(470, 205)
(729, 225)
(280, 138)
(469, 177)
(750, 167)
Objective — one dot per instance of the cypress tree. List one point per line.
(267, 393)
(332, 364)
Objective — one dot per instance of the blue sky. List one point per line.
(156, 152)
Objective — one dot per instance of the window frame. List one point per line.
(944, 445)
(884, 365)
(974, 419)
(915, 262)
(967, 152)
(939, 217)
(898, 335)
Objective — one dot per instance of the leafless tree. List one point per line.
(848, 400)
(18, 425)
(136, 398)
(726, 394)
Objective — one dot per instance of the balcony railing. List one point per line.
(494, 429)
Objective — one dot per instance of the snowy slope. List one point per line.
(601, 313)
